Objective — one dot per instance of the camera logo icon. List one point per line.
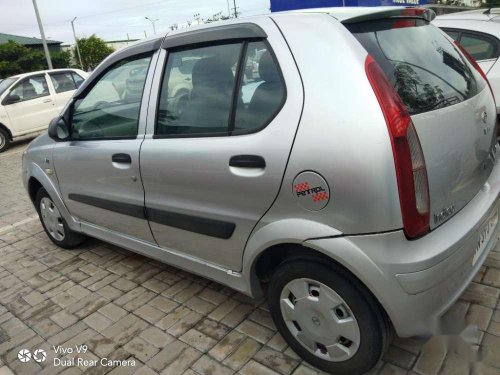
(24, 355)
(39, 355)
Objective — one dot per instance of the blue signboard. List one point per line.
(280, 5)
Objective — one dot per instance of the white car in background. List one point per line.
(29, 101)
(478, 32)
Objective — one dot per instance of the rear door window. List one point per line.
(78, 79)
(197, 92)
(63, 82)
(425, 68)
(262, 90)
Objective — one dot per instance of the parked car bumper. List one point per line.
(418, 281)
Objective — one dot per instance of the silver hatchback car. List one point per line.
(342, 162)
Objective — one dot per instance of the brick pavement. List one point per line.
(123, 306)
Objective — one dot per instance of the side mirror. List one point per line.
(11, 99)
(58, 129)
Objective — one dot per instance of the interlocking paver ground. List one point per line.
(124, 306)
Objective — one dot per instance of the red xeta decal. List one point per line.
(321, 196)
(303, 186)
(317, 193)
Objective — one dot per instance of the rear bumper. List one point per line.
(418, 281)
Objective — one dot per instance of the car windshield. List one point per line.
(5, 84)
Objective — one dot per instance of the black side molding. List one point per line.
(119, 207)
(237, 31)
(196, 224)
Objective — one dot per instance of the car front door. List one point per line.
(35, 106)
(98, 168)
(214, 157)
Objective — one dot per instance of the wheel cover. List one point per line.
(3, 141)
(52, 219)
(320, 320)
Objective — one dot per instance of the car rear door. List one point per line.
(214, 156)
(450, 104)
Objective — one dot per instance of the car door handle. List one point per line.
(247, 161)
(47, 100)
(121, 158)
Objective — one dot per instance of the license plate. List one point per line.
(485, 234)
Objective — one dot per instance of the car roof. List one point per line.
(488, 25)
(485, 15)
(23, 75)
(340, 13)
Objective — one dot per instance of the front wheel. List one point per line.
(54, 224)
(4, 140)
(327, 317)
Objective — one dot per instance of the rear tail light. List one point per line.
(409, 159)
(476, 66)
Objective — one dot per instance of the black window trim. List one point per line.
(22, 80)
(479, 34)
(235, 32)
(238, 80)
(91, 85)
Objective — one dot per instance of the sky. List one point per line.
(112, 19)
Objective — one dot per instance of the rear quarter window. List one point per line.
(425, 68)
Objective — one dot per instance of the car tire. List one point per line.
(330, 304)
(4, 140)
(54, 224)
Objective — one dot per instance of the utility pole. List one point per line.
(44, 42)
(145, 35)
(228, 9)
(152, 22)
(235, 11)
(76, 43)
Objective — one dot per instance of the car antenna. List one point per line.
(487, 11)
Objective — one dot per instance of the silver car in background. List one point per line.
(350, 175)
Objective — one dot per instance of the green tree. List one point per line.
(61, 59)
(93, 50)
(16, 59)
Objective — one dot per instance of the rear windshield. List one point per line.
(423, 65)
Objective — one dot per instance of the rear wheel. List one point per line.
(54, 224)
(327, 317)
(4, 140)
